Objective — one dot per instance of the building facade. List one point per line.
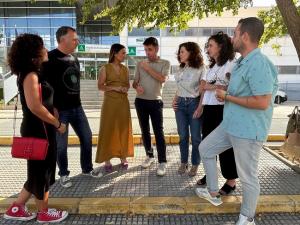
(44, 17)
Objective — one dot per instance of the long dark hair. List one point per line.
(195, 59)
(25, 55)
(114, 49)
(226, 52)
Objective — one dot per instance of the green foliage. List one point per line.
(156, 13)
(274, 24)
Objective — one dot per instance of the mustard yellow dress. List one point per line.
(115, 138)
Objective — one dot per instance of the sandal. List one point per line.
(183, 168)
(193, 171)
(124, 165)
(108, 168)
(202, 181)
(226, 189)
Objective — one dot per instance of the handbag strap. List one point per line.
(16, 109)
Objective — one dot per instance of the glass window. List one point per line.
(1, 11)
(287, 69)
(16, 22)
(106, 29)
(15, 12)
(230, 31)
(192, 31)
(216, 30)
(38, 22)
(205, 32)
(62, 12)
(39, 31)
(12, 32)
(39, 4)
(167, 32)
(58, 22)
(109, 40)
(92, 39)
(16, 4)
(38, 12)
(92, 28)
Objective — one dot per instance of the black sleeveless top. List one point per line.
(31, 125)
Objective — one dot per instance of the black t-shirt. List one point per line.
(63, 74)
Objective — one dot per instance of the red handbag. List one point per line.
(31, 148)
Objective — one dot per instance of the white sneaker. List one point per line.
(148, 161)
(96, 173)
(65, 181)
(244, 220)
(203, 193)
(161, 170)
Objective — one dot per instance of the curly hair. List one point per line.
(226, 52)
(195, 59)
(25, 55)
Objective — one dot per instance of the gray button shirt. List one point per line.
(188, 81)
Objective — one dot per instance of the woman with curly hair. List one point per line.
(221, 56)
(186, 103)
(25, 59)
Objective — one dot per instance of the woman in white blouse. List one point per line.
(186, 104)
(221, 56)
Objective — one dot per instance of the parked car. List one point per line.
(280, 97)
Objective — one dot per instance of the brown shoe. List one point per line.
(193, 171)
(183, 168)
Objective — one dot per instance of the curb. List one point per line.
(164, 205)
(137, 139)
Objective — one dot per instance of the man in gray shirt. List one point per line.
(150, 76)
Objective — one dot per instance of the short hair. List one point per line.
(25, 55)
(114, 49)
(226, 49)
(151, 41)
(195, 59)
(253, 26)
(62, 31)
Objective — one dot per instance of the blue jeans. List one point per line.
(185, 122)
(77, 118)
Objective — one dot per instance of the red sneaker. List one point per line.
(18, 212)
(51, 216)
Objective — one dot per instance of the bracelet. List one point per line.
(225, 95)
(58, 125)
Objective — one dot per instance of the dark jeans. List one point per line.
(212, 117)
(77, 118)
(154, 110)
(185, 122)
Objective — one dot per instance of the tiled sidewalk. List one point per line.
(275, 178)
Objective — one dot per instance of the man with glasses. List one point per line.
(246, 121)
(62, 71)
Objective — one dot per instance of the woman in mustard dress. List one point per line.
(115, 136)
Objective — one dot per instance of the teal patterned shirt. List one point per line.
(251, 76)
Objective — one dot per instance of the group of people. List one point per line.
(226, 109)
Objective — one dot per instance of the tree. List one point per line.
(281, 20)
(158, 13)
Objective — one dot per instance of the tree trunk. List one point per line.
(291, 18)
